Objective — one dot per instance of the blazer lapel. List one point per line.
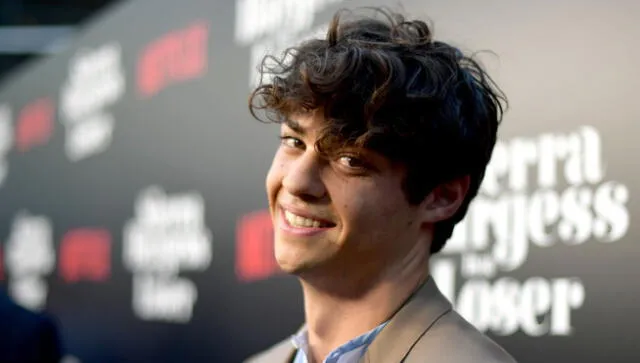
(286, 354)
(283, 352)
(404, 329)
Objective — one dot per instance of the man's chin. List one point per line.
(296, 267)
(295, 258)
(292, 267)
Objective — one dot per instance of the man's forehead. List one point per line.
(294, 125)
(305, 123)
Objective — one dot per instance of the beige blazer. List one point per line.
(425, 330)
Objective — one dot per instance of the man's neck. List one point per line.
(333, 319)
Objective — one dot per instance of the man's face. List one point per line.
(345, 215)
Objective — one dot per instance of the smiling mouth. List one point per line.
(297, 221)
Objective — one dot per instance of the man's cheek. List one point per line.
(273, 179)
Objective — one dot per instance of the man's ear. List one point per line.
(445, 199)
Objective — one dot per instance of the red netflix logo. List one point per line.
(85, 254)
(35, 124)
(178, 56)
(254, 247)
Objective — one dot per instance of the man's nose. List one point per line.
(303, 177)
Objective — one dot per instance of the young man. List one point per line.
(386, 135)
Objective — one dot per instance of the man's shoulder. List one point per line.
(279, 353)
(23, 322)
(28, 336)
(452, 339)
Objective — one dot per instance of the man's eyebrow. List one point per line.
(295, 126)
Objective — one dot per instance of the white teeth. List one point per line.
(298, 221)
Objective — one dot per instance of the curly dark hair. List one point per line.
(384, 84)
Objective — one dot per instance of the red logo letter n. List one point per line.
(254, 247)
(85, 254)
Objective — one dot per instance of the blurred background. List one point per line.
(132, 209)
(30, 29)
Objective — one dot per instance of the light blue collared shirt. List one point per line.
(350, 352)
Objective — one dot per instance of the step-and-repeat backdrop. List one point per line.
(131, 181)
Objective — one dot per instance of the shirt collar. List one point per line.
(301, 342)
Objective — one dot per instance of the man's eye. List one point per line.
(351, 162)
(291, 141)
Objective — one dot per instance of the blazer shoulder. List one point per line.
(279, 353)
(452, 339)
